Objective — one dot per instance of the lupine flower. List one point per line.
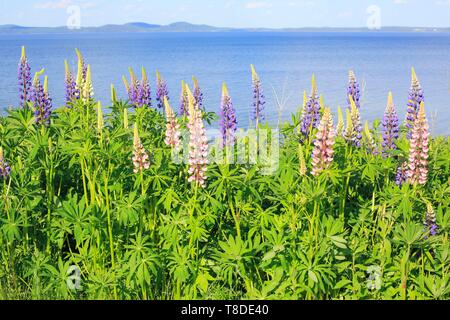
(353, 132)
(340, 124)
(370, 141)
(311, 117)
(258, 98)
(72, 92)
(416, 97)
(40, 99)
(161, 90)
(353, 90)
(228, 122)
(184, 100)
(198, 95)
(87, 92)
(81, 73)
(198, 145)
(402, 174)
(323, 153)
(140, 158)
(302, 161)
(5, 170)
(173, 133)
(418, 149)
(24, 76)
(430, 221)
(139, 92)
(390, 127)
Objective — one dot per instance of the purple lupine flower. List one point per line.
(353, 90)
(430, 221)
(161, 90)
(402, 174)
(5, 169)
(228, 122)
(184, 100)
(72, 92)
(258, 98)
(41, 101)
(311, 116)
(416, 97)
(390, 127)
(139, 92)
(24, 76)
(198, 95)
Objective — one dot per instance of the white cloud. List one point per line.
(400, 1)
(258, 5)
(64, 4)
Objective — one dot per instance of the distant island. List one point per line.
(141, 27)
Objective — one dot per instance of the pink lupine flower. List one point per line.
(172, 128)
(198, 145)
(323, 153)
(418, 150)
(140, 158)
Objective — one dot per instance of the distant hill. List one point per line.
(142, 27)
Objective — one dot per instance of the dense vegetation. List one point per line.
(74, 192)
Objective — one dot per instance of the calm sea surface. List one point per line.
(284, 61)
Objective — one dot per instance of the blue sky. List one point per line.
(230, 13)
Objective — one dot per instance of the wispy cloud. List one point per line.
(443, 3)
(258, 5)
(64, 4)
(400, 1)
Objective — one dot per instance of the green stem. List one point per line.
(111, 244)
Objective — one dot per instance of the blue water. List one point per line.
(284, 61)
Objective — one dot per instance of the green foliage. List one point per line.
(72, 200)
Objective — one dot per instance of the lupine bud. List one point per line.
(125, 119)
(113, 94)
(311, 118)
(140, 158)
(340, 124)
(5, 170)
(370, 141)
(323, 153)
(390, 127)
(258, 97)
(198, 145)
(40, 99)
(24, 76)
(100, 120)
(302, 161)
(418, 149)
(72, 92)
(184, 101)
(353, 132)
(228, 122)
(430, 221)
(173, 133)
(402, 174)
(353, 90)
(416, 97)
(198, 95)
(161, 90)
